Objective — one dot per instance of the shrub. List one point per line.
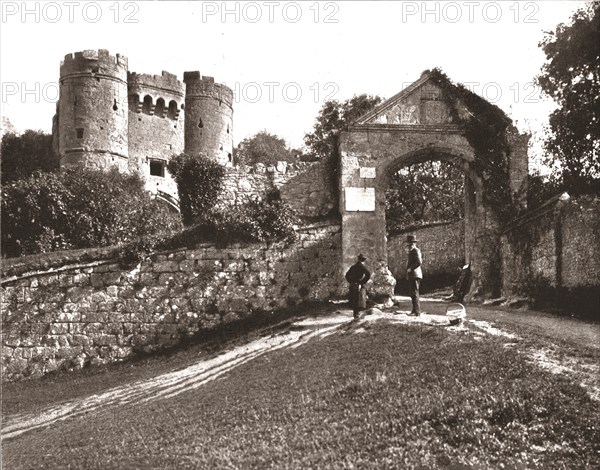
(270, 219)
(199, 181)
(78, 208)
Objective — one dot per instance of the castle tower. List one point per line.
(92, 120)
(156, 127)
(208, 118)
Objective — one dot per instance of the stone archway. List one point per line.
(411, 127)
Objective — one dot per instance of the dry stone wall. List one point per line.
(95, 312)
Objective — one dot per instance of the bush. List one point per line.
(199, 181)
(78, 208)
(259, 221)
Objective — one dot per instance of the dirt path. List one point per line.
(201, 372)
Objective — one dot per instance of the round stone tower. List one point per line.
(92, 110)
(208, 118)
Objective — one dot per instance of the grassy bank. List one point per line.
(390, 396)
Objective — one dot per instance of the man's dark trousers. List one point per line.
(413, 284)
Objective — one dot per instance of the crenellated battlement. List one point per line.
(99, 62)
(166, 82)
(205, 86)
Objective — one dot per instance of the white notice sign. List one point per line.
(367, 172)
(360, 199)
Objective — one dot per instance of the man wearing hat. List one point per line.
(414, 273)
(358, 275)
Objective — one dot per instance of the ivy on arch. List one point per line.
(487, 129)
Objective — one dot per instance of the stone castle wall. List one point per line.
(94, 312)
(305, 186)
(557, 245)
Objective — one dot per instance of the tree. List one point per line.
(199, 182)
(571, 76)
(263, 147)
(24, 154)
(337, 115)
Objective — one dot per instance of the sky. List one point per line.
(284, 59)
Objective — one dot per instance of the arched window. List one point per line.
(173, 111)
(200, 123)
(160, 108)
(147, 106)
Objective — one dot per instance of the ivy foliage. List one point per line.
(78, 208)
(487, 130)
(199, 183)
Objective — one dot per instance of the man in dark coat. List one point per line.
(357, 276)
(414, 274)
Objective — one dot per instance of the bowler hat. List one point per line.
(361, 258)
(411, 239)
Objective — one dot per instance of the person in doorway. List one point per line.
(414, 273)
(357, 276)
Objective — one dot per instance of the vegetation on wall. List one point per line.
(78, 208)
(487, 128)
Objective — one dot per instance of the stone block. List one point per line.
(112, 278)
(76, 294)
(112, 291)
(166, 267)
(48, 280)
(148, 279)
(186, 265)
(58, 328)
(250, 279)
(97, 280)
(66, 280)
(93, 327)
(80, 340)
(105, 340)
(124, 340)
(93, 316)
(233, 265)
(107, 306)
